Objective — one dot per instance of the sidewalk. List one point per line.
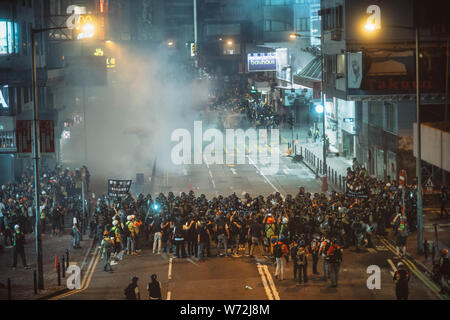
(430, 217)
(22, 287)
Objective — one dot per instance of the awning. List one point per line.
(311, 73)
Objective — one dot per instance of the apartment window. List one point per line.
(24, 39)
(9, 37)
(276, 26)
(26, 95)
(302, 24)
(328, 69)
(277, 2)
(332, 18)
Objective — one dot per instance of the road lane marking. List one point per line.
(392, 264)
(169, 276)
(190, 260)
(260, 172)
(286, 172)
(415, 271)
(86, 282)
(264, 281)
(272, 285)
(233, 170)
(372, 250)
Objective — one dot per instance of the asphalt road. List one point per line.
(238, 278)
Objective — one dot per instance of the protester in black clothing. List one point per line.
(154, 289)
(131, 292)
(19, 247)
(401, 279)
(444, 199)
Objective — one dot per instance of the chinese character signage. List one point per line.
(118, 188)
(47, 136)
(24, 136)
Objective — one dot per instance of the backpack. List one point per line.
(277, 251)
(129, 292)
(301, 256)
(126, 231)
(337, 255)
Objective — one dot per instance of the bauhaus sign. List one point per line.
(260, 62)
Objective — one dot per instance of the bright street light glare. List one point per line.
(230, 42)
(319, 109)
(88, 28)
(369, 27)
(170, 43)
(293, 36)
(87, 31)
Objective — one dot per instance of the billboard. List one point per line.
(261, 62)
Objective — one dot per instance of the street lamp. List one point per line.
(370, 27)
(37, 187)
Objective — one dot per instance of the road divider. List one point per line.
(86, 279)
(264, 281)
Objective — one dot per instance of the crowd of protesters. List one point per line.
(256, 113)
(60, 198)
(291, 228)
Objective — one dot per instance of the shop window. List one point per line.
(340, 64)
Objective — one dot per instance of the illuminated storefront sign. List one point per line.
(111, 63)
(98, 52)
(260, 62)
(4, 97)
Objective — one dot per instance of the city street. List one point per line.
(251, 140)
(243, 278)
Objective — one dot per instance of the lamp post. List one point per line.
(37, 187)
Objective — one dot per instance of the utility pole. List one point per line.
(324, 168)
(195, 34)
(419, 150)
(446, 105)
(37, 186)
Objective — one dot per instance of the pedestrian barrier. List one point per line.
(63, 267)
(59, 274)
(35, 282)
(9, 289)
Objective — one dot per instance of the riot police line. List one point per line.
(175, 222)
